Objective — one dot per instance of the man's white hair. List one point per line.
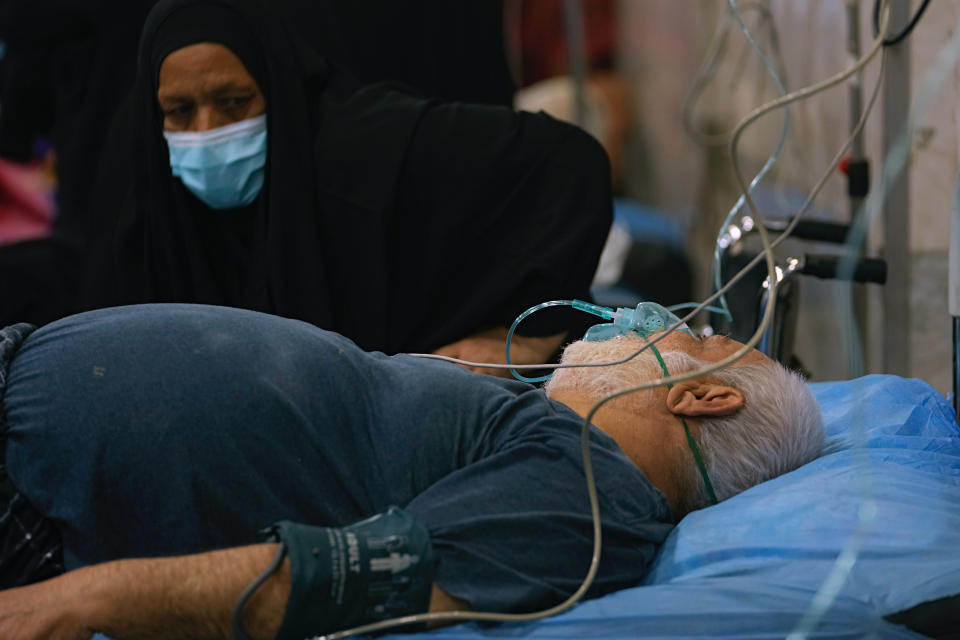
(778, 429)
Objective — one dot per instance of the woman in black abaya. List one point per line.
(405, 224)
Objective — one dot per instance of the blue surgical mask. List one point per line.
(223, 167)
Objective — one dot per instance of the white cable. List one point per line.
(703, 76)
(771, 160)
(750, 118)
(767, 245)
(833, 582)
(715, 50)
(462, 616)
(896, 159)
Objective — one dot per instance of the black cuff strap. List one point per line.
(376, 569)
(238, 631)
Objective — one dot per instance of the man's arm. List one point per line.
(189, 597)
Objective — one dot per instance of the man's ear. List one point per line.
(701, 397)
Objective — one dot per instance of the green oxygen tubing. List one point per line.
(644, 319)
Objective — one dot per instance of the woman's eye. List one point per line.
(177, 112)
(236, 102)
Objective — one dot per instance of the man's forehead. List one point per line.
(724, 347)
(711, 348)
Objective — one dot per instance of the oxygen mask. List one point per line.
(646, 319)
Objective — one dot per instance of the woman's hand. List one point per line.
(490, 346)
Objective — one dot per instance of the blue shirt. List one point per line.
(171, 429)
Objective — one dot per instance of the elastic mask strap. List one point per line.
(690, 441)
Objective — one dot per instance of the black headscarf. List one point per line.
(174, 248)
(400, 222)
(208, 23)
(451, 50)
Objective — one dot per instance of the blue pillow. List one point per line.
(789, 531)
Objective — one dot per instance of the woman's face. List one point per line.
(204, 86)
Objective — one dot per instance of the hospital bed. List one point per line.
(752, 566)
(854, 544)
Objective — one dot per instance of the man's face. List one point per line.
(709, 349)
(641, 369)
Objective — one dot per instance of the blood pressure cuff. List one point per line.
(373, 570)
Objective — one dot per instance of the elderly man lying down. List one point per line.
(159, 458)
